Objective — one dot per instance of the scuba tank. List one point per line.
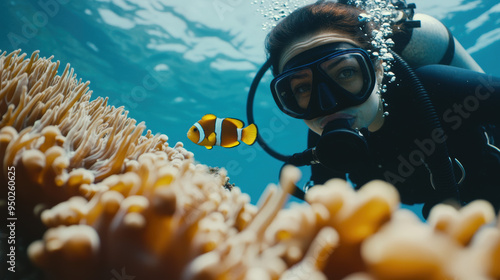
(445, 49)
(422, 29)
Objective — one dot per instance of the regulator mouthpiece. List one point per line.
(341, 148)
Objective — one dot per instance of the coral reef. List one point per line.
(122, 205)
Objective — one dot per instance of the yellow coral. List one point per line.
(125, 204)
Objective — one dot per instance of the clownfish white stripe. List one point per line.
(202, 132)
(239, 130)
(218, 131)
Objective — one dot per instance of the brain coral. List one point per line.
(119, 203)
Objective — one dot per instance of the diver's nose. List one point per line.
(326, 98)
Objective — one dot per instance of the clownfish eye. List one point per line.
(195, 129)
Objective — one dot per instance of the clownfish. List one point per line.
(225, 132)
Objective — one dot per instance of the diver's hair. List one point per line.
(310, 19)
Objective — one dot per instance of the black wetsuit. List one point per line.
(468, 106)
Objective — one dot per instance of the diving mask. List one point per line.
(324, 80)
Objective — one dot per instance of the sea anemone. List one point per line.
(57, 140)
(123, 205)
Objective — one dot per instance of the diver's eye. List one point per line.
(346, 73)
(302, 89)
(301, 83)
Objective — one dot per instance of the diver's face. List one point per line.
(366, 115)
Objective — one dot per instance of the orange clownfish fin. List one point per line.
(212, 138)
(236, 122)
(208, 117)
(209, 147)
(234, 144)
(249, 134)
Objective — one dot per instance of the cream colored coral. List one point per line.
(166, 213)
(355, 216)
(408, 249)
(364, 231)
(44, 117)
(301, 242)
(79, 245)
(462, 225)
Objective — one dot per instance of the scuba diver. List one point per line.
(431, 132)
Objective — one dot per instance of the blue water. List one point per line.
(169, 62)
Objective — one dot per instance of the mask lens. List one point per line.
(349, 71)
(294, 90)
(339, 80)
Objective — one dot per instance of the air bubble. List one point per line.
(382, 13)
(387, 14)
(364, 17)
(389, 42)
(273, 11)
(388, 57)
(386, 66)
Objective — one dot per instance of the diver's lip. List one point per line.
(332, 117)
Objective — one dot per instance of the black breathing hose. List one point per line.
(443, 178)
(294, 159)
(250, 99)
